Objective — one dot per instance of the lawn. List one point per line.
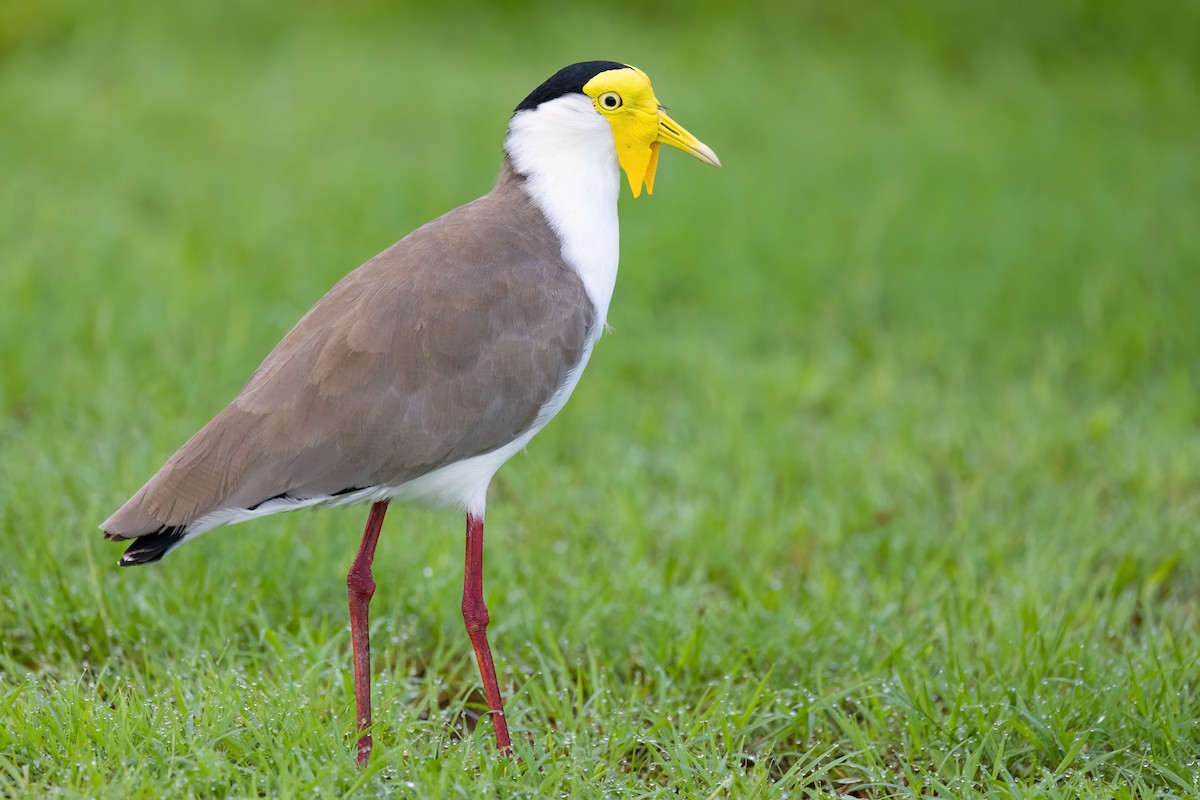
(885, 484)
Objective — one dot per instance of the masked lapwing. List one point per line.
(429, 366)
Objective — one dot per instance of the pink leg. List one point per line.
(475, 614)
(361, 586)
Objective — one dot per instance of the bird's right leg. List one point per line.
(475, 614)
(361, 586)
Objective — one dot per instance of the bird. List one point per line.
(425, 369)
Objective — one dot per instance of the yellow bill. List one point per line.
(676, 135)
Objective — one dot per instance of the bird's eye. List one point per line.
(611, 101)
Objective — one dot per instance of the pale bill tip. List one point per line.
(705, 154)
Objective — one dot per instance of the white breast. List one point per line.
(565, 150)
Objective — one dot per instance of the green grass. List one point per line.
(886, 485)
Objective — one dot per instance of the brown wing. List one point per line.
(445, 346)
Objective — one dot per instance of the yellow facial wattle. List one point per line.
(639, 123)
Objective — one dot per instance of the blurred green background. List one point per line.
(900, 416)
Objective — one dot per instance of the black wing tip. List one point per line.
(153, 546)
(261, 503)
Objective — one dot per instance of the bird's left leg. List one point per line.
(475, 614)
(361, 586)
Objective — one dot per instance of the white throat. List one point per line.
(565, 150)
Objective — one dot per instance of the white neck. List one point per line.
(565, 150)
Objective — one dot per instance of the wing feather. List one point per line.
(445, 346)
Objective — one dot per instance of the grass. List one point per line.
(886, 485)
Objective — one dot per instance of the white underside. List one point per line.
(565, 150)
(462, 484)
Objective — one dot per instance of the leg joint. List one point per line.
(475, 614)
(360, 583)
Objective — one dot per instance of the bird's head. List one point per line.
(623, 97)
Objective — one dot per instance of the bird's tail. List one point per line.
(151, 547)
